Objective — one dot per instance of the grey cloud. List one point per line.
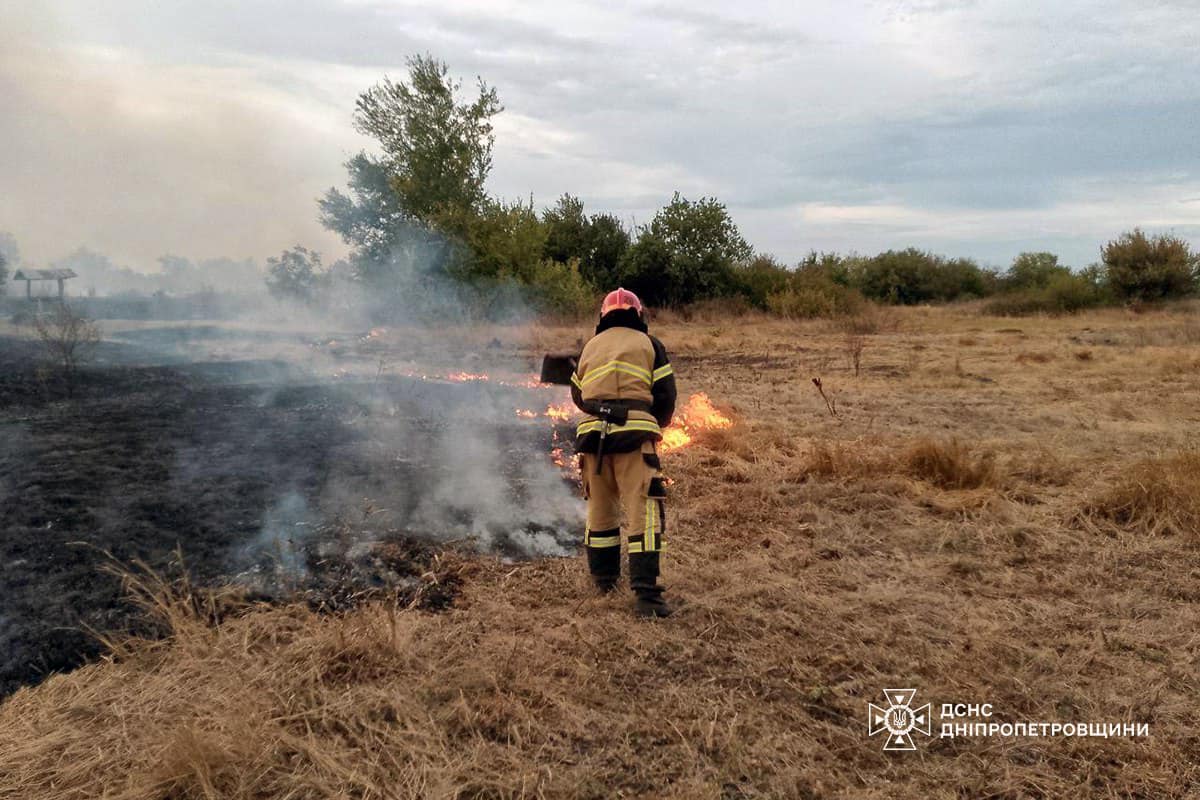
(984, 107)
(205, 30)
(721, 28)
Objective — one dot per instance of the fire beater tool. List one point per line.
(557, 369)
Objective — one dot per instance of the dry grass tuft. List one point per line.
(847, 459)
(1042, 467)
(949, 464)
(871, 319)
(1155, 496)
(946, 465)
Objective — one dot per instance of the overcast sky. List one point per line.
(979, 128)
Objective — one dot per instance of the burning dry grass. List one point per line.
(922, 538)
(693, 418)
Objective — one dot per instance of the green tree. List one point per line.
(3, 271)
(597, 242)
(1033, 271)
(567, 229)
(437, 150)
(646, 268)
(701, 245)
(405, 209)
(607, 242)
(295, 274)
(1140, 267)
(371, 219)
(499, 241)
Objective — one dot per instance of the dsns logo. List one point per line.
(899, 719)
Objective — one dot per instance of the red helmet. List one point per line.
(621, 298)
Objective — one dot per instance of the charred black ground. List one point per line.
(253, 470)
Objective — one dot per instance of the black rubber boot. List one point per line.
(605, 562)
(643, 579)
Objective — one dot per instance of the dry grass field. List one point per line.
(1002, 511)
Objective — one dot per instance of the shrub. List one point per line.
(559, 289)
(69, 339)
(813, 291)
(806, 303)
(1139, 267)
(1064, 293)
(762, 277)
(912, 276)
(1032, 271)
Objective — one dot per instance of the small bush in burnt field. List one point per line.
(854, 344)
(69, 339)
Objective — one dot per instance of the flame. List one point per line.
(696, 416)
(674, 438)
(464, 377)
(563, 462)
(525, 413)
(560, 411)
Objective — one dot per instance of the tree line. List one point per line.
(417, 215)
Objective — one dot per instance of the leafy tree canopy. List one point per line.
(686, 253)
(1141, 267)
(597, 242)
(295, 274)
(437, 150)
(1033, 271)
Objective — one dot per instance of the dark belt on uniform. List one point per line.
(628, 405)
(598, 408)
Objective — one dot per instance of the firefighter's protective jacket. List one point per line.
(624, 364)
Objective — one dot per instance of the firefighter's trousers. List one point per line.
(631, 483)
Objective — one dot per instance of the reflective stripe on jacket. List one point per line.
(624, 364)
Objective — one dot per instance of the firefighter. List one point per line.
(624, 384)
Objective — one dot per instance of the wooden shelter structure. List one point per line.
(31, 275)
